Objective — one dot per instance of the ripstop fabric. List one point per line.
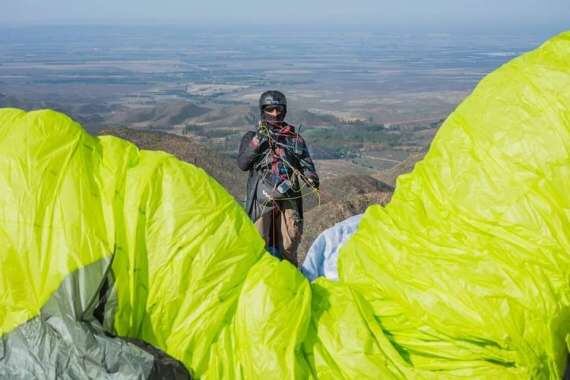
(322, 257)
(467, 270)
(465, 274)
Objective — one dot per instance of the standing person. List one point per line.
(279, 163)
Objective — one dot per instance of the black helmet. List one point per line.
(273, 98)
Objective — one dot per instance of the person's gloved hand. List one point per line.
(259, 142)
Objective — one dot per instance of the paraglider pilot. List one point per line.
(279, 166)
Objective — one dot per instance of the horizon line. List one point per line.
(371, 27)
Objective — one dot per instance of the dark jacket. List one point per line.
(272, 155)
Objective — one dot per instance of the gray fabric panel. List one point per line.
(67, 342)
(62, 348)
(79, 291)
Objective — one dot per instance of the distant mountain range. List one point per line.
(162, 116)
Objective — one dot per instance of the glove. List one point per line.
(259, 142)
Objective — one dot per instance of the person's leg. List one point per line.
(290, 232)
(263, 225)
(267, 229)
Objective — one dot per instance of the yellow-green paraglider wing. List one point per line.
(466, 274)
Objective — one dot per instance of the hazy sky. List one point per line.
(437, 14)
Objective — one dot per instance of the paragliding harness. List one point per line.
(267, 190)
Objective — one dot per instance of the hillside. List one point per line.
(328, 214)
(389, 176)
(345, 188)
(222, 168)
